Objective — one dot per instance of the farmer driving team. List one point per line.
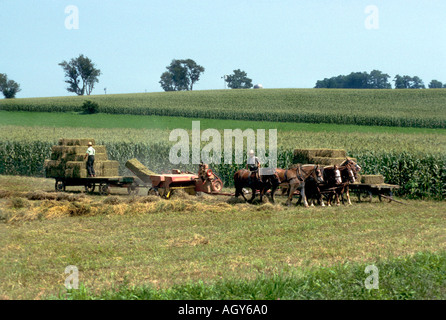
(253, 163)
(90, 161)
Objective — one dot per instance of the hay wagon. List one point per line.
(67, 165)
(366, 191)
(103, 183)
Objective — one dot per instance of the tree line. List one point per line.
(376, 80)
(81, 75)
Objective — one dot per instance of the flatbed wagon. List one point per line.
(103, 183)
(367, 191)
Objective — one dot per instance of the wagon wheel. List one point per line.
(365, 196)
(59, 186)
(217, 185)
(104, 188)
(89, 187)
(153, 192)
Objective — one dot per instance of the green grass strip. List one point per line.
(418, 277)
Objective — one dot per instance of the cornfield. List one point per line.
(420, 176)
(401, 108)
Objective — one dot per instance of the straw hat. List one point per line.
(90, 144)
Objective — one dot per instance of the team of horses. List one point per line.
(313, 183)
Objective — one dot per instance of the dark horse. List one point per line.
(244, 178)
(313, 187)
(337, 184)
(296, 177)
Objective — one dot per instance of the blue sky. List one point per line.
(280, 44)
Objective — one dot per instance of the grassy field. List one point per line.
(174, 244)
(404, 108)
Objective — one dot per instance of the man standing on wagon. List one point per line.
(90, 161)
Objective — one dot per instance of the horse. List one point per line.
(337, 183)
(313, 187)
(352, 165)
(296, 177)
(244, 178)
(355, 168)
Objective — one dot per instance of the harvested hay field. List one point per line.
(146, 240)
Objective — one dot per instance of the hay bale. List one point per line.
(75, 142)
(54, 168)
(327, 160)
(80, 169)
(81, 157)
(110, 164)
(62, 150)
(109, 173)
(372, 179)
(331, 153)
(139, 170)
(306, 155)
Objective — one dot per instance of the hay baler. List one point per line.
(164, 184)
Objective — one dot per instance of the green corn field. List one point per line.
(420, 176)
(400, 108)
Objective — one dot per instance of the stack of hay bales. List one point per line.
(67, 160)
(327, 157)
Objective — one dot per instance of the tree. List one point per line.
(378, 80)
(435, 84)
(81, 75)
(9, 88)
(90, 107)
(181, 75)
(407, 82)
(238, 80)
(357, 80)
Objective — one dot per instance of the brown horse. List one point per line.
(313, 187)
(244, 178)
(352, 165)
(353, 168)
(337, 183)
(295, 179)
